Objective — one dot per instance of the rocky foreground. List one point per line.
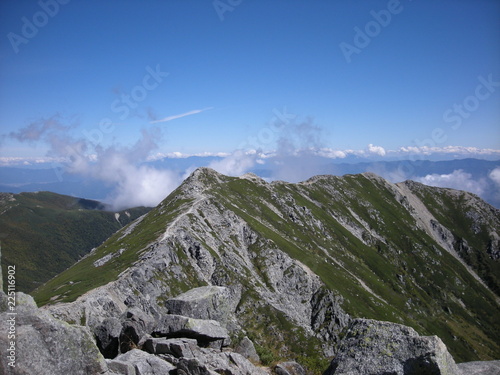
(179, 344)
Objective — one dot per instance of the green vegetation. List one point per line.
(470, 232)
(84, 275)
(44, 233)
(410, 279)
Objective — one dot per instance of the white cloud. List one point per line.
(458, 179)
(495, 176)
(236, 164)
(332, 154)
(377, 150)
(456, 150)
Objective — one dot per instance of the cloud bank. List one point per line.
(134, 183)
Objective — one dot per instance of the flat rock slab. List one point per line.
(179, 348)
(145, 363)
(177, 326)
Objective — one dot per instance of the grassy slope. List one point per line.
(83, 276)
(415, 282)
(456, 212)
(45, 233)
(431, 287)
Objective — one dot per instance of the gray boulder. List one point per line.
(145, 363)
(247, 349)
(378, 348)
(44, 345)
(229, 363)
(206, 302)
(120, 367)
(135, 325)
(289, 368)
(192, 367)
(480, 368)
(179, 348)
(204, 331)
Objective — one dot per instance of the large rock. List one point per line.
(179, 348)
(480, 368)
(135, 325)
(379, 348)
(145, 363)
(120, 367)
(44, 345)
(247, 349)
(289, 368)
(206, 302)
(204, 331)
(228, 363)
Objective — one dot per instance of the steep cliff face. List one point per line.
(297, 261)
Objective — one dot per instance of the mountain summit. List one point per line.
(291, 265)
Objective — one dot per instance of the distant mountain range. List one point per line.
(473, 175)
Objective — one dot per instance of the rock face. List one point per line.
(46, 346)
(377, 348)
(285, 264)
(209, 302)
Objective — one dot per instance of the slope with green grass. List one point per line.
(44, 233)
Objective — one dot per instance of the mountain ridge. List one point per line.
(300, 259)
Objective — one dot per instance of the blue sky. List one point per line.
(222, 72)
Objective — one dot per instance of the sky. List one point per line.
(88, 79)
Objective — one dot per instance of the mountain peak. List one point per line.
(253, 177)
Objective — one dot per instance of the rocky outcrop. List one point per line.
(204, 331)
(42, 345)
(107, 336)
(377, 348)
(289, 368)
(247, 349)
(145, 363)
(208, 302)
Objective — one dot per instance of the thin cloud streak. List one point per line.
(174, 117)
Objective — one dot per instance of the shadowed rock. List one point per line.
(107, 336)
